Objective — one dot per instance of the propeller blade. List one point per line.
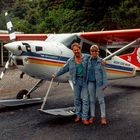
(10, 28)
(6, 67)
(12, 36)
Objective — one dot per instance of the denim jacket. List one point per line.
(71, 67)
(100, 73)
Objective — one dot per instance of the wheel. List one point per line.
(22, 93)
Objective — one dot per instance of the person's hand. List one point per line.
(104, 87)
(103, 62)
(53, 76)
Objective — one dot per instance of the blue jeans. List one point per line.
(96, 92)
(81, 100)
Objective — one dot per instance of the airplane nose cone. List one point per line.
(8, 46)
(13, 48)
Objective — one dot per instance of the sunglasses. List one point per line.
(93, 51)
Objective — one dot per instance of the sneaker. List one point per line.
(91, 120)
(103, 121)
(85, 121)
(77, 119)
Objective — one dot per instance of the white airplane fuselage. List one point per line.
(41, 59)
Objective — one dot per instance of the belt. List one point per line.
(79, 76)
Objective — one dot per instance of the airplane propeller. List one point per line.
(6, 66)
(12, 37)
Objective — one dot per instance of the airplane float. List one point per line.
(43, 57)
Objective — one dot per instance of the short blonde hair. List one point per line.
(93, 47)
(75, 44)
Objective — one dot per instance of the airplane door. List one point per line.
(64, 51)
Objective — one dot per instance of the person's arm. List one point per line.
(104, 77)
(62, 70)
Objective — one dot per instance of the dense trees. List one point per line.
(127, 14)
(47, 16)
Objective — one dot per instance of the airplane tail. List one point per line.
(133, 58)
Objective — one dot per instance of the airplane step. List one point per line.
(18, 102)
(69, 111)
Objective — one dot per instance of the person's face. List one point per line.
(94, 52)
(77, 51)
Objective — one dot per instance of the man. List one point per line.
(77, 71)
(97, 81)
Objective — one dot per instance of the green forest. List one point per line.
(62, 16)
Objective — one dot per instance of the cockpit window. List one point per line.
(38, 48)
(19, 48)
(28, 48)
(86, 48)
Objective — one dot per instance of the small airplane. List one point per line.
(43, 57)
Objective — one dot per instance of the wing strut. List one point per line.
(122, 49)
(47, 93)
(68, 111)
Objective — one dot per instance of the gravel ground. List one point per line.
(11, 84)
(26, 123)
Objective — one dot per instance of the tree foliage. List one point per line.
(49, 16)
(127, 14)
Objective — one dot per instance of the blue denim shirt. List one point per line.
(100, 73)
(71, 67)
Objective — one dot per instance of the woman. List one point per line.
(97, 81)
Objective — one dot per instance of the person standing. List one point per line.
(76, 66)
(97, 82)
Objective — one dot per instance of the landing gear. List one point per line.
(23, 97)
(25, 94)
(22, 94)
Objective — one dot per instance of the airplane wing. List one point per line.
(105, 37)
(118, 39)
(5, 37)
(100, 37)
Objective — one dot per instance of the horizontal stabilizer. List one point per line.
(18, 102)
(69, 111)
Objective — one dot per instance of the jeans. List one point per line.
(96, 92)
(81, 100)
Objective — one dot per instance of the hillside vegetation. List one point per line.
(61, 16)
